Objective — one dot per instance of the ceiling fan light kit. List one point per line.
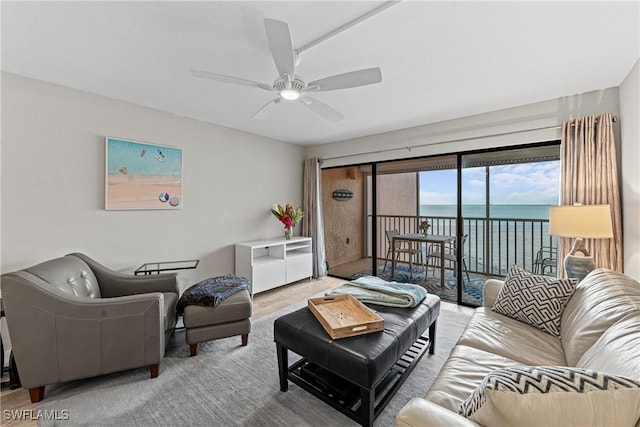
(290, 87)
(290, 94)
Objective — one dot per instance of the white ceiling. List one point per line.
(439, 60)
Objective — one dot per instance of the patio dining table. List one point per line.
(422, 238)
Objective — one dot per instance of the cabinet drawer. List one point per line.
(299, 267)
(268, 275)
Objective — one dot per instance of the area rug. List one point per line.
(471, 291)
(225, 385)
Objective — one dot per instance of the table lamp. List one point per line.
(580, 222)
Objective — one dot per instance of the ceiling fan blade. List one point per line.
(346, 80)
(230, 79)
(322, 109)
(261, 113)
(281, 47)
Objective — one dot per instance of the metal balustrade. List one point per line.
(493, 244)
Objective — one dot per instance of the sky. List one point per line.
(518, 184)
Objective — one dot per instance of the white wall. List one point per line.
(513, 126)
(53, 183)
(630, 130)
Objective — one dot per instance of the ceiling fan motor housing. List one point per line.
(297, 84)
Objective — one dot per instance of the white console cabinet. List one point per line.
(274, 262)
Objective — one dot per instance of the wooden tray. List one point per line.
(344, 316)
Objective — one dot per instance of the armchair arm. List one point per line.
(58, 337)
(423, 413)
(490, 292)
(114, 284)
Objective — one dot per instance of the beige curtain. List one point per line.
(590, 176)
(312, 225)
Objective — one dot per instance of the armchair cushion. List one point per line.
(536, 300)
(69, 274)
(543, 395)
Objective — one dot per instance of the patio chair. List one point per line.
(450, 256)
(546, 259)
(400, 248)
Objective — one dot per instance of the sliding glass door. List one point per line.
(474, 250)
(415, 222)
(506, 196)
(445, 222)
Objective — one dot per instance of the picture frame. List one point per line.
(140, 175)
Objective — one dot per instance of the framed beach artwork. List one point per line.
(142, 176)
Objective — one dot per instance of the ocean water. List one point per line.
(495, 211)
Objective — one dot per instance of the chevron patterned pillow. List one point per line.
(553, 395)
(536, 300)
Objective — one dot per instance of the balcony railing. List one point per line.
(492, 246)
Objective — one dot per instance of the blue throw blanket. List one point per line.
(373, 290)
(212, 291)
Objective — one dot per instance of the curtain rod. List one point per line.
(447, 141)
(613, 119)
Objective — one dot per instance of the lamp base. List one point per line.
(577, 267)
(579, 248)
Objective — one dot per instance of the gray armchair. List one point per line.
(71, 318)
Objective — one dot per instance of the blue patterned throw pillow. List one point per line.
(553, 395)
(536, 300)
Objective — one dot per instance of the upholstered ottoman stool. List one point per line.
(229, 318)
(357, 375)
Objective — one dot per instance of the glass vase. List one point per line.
(288, 232)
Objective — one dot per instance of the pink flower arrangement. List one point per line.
(287, 215)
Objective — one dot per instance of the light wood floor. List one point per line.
(264, 304)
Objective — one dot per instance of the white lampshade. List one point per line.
(586, 221)
(580, 221)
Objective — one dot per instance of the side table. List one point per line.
(165, 266)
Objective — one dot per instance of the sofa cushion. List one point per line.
(617, 351)
(461, 374)
(601, 299)
(495, 333)
(543, 395)
(536, 300)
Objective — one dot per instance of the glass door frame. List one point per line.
(459, 205)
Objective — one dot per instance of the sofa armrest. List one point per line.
(490, 291)
(58, 337)
(114, 284)
(423, 413)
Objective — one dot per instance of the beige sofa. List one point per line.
(600, 331)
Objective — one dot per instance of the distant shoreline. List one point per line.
(530, 211)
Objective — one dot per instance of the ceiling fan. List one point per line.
(290, 87)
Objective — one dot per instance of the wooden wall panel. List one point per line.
(343, 220)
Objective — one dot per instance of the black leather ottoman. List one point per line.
(356, 375)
